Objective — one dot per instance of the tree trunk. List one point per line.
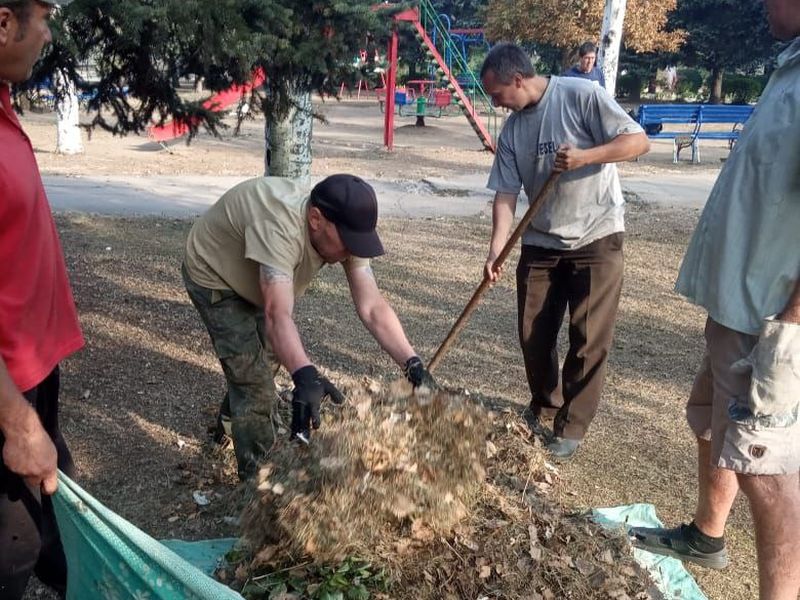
(716, 85)
(636, 91)
(610, 40)
(289, 140)
(68, 136)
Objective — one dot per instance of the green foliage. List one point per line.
(742, 89)
(354, 579)
(723, 34)
(462, 13)
(630, 85)
(690, 83)
(477, 55)
(546, 58)
(146, 46)
(641, 66)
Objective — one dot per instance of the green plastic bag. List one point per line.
(110, 559)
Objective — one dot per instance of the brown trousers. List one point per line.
(588, 280)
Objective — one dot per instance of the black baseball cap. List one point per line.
(349, 202)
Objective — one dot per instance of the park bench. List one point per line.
(653, 117)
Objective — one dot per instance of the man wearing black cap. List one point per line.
(247, 259)
(38, 329)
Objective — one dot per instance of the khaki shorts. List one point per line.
(718, 411)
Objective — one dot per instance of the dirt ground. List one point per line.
(137, 400)
(350, 140)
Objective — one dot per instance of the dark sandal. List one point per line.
(673, 542)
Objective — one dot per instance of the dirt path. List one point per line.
(350, 140)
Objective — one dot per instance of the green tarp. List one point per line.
(669, 574)
(110, 559)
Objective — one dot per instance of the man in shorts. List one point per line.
(743, 267)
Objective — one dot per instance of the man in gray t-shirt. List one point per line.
(572, 250)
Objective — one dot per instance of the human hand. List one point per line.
(309, 389)
(489, 272)
(774, 367)
(29, 452)
(569, 158)
(417, 374)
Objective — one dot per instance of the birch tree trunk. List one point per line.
(68, 136)
(288, 141)
(610, 40)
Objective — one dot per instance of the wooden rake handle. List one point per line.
(484, 285)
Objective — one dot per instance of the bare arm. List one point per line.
(791, 312)
(27, 450)
(502, 219)
(377, 315)
(277, 289)
(623, 147)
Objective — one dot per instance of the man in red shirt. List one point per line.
(38, 328)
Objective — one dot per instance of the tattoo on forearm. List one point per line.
(272, 275)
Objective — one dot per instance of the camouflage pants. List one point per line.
(237, 332)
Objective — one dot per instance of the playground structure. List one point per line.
(462, 39)
(449, 53)
(171, 130)
(362, 62)
(444, 47)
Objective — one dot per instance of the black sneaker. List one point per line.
(537, 428)
(221, 431)
(562, 449)
(679, 543)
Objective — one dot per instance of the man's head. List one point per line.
(24, 31)
(784, 18)
(587, 54)
(342, 216)
(504, 74)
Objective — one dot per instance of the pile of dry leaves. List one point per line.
(445, 494)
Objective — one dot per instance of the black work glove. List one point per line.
(417, 374)
(309, 389)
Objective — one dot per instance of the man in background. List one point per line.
(587, 65)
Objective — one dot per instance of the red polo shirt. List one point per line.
(38, 321)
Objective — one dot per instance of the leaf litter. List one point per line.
(445, 492)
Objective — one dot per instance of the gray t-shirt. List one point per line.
(587, 203)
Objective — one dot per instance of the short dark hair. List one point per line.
(506, 60)
(587, 48)
(22, 9)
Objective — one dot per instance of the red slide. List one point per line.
(171, 129)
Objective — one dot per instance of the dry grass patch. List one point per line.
(137, 400)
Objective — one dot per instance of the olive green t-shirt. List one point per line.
(260, 221)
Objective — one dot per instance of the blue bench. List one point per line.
(653, 117)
